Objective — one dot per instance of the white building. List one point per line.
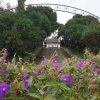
(53, 42)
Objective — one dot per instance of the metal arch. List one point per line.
(63, 8)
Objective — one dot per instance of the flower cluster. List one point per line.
(79, 64)
(50, 76)
(4, 88)
(66, 78)
(25, 81)
(56, 66)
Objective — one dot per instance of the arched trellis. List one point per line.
(63, 8)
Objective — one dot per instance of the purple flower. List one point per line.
(61, 76)
(43, 71)
(79, 64)
(57, 65)
(4, 56)
(95, 69)
(55, 61)
(3, 89)
(6, 71)
(3, 71)
(36, 73)
(66, 78)
(25, 80)
(55, 68)
(2, 94)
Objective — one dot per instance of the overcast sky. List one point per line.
(92, 6)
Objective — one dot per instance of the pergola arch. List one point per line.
(62, 8)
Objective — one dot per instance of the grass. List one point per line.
(74, 53)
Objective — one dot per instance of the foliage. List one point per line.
(25, 29)
(81, 32)
(51, 80)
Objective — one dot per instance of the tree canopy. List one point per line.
(25, 29)
(81, 32)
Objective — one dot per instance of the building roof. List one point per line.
(52, 40)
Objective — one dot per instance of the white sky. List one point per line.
(92, 6)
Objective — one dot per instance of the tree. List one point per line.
(24, 30)
(80, 32)
(21, 6)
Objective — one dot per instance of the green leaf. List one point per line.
(64, 87)
(30, 80)
(41, 77)
(33, 89)
(8, 98)
(98, 80)
(54, 92)
(61, 69)
(34, 95)
(56, 84)
(52, 84)
(85, 91)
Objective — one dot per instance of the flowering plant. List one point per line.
(73, 79)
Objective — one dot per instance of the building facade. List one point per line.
(53, 42)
